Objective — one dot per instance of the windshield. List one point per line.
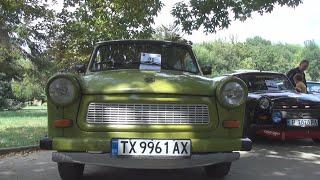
(143, 56)
(314, 87)
(266, 82)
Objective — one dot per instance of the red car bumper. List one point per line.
(283, 133)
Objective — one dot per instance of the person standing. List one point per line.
(303, 66)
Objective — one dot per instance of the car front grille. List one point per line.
(111, 113)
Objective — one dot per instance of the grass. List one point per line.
(23, 127)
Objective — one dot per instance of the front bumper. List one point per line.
(283, 133)
(105, 159)
(83, 145)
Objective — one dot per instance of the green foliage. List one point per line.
(259, 54)
(169, 33)
(223, 57)
(83, 23)
(217, 14)
(24, 28)
(36, 41)
(311, 52)
(27, 89)
(24, 25)
(5, 91)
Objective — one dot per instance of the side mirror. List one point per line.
(206, 70)
(80, 68)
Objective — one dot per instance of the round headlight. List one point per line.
(233, 94)
(264, 103)
(62, 91)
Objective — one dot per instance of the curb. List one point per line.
(4, 151)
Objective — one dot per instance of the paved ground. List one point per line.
(269, 160)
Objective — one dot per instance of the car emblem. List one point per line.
(149, 79)
(300, 115)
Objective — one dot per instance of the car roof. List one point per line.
(252, 72)
(143, 41)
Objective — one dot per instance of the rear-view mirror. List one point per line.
(80, 68)
(206, 70)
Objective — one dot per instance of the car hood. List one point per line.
(287, 97)
(135, 81)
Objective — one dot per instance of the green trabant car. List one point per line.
(144, 104)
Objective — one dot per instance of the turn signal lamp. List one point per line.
(231, 124)
(62, 123)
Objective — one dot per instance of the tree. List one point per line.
(311, 52)
(5, 91)
(255, 53)
(22, 34)
(82, 23)
(216, 14)
(24, 25)
(222, 56)
(262, 52)
(28, 89)
(169, 33)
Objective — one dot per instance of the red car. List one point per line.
(275, 110)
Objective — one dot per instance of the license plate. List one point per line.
(150, 147)
(302, 122)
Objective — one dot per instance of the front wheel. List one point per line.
(70, 171)
(316, 140)
(218, 170)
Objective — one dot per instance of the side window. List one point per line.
(314, 88)
(189, 63)
(97, 60)
(103, 59)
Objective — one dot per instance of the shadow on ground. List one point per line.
(269, 159)
(274, 160)
(297, 159)
(102, 173)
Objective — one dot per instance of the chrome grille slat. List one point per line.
(112, 113)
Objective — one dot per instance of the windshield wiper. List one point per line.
(150, 63)
(164, 66)
(175, 69)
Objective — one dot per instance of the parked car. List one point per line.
(144, 104)
(313, 87)
(276, 110)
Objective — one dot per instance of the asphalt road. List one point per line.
(268, 160)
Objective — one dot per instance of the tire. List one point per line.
(70, 171)
(218, 170)
(316, 140)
